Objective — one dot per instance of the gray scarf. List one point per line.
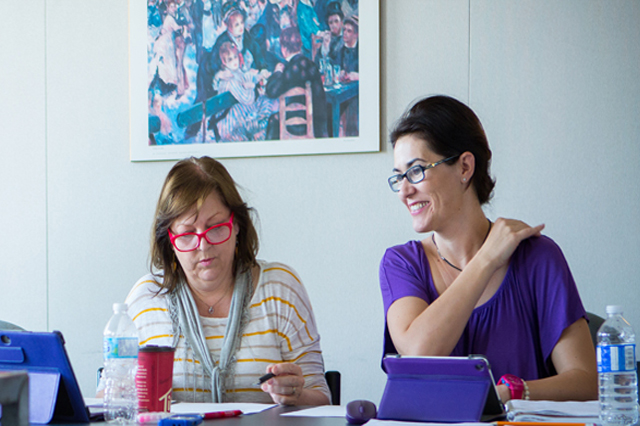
(186, 320)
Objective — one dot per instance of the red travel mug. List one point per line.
(154, 378)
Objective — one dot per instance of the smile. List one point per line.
(415, 208)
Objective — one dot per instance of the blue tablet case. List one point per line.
(439, 389)
(54, 394)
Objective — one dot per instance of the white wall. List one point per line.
(556, 84)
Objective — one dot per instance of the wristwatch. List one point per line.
(517, 387)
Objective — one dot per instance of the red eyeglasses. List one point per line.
(189, 241)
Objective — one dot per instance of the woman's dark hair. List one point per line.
(232, 8)
(450, 128)
(188, 184)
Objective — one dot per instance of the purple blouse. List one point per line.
(519, 326)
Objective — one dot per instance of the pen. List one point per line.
(264, 378)
(221, 414)
(538, 424)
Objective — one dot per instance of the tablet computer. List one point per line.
(54, 393)
(439, 389)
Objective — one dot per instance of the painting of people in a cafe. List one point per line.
(223, 71)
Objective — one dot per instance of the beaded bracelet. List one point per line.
(526, 390)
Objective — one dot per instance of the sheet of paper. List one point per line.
(209, 407)
(320, 411)
(95, 406)
(376, 422)
(517, 409)
(341, 410)
(93, 402)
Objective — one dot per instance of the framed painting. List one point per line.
(243, 78)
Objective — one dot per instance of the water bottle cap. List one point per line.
(614, 309)
(120, 307)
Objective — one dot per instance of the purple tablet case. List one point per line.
(439, 389)
(53, 390)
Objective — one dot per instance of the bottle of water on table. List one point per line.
(618, 382)
(120, 364)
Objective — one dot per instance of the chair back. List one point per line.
(14, 397)
(4, 325)
(595, 321)
(296, 111)
(333, 381)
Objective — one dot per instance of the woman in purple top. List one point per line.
(472, 286)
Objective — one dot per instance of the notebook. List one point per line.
(439, 389)
(54, 394)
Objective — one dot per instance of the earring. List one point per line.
(464, 179)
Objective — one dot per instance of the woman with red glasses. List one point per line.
(471, 286)
(230, 317)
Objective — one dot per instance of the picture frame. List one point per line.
(174, 118)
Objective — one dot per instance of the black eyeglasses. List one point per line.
(414, 174)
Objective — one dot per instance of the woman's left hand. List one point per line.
(287, 386)
(504, 393)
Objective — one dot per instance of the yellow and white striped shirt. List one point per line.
(281, 328)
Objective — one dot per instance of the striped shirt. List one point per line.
(281, 328)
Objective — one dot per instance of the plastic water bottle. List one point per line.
(617, 370)
(120, 364)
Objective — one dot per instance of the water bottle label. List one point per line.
(120, 347)
(614, 358)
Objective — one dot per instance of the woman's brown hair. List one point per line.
(188, 184)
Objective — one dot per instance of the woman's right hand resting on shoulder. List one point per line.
(418, 328)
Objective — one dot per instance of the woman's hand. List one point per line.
(504, 238)
(265, 74)
(504, 393)
(348, 77)
(288, 385)
(326, 40)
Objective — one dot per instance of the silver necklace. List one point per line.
(445, 259)
(210, 308)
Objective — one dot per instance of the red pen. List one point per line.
(221, 414)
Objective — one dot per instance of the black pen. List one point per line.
(264, 378)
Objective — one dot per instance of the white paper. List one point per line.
(93, 402)
(95, 405)
(521, 407)
(555, 411)
(209, 407)
(320, 411)
(341, 411)
(374, 422)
